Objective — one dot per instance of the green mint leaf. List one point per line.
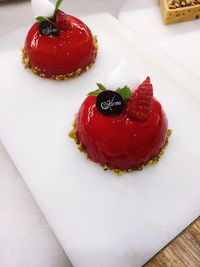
(98, 91)
(125, 92)
(58, 3)
(101, 87)
(95, 93)
(41, 19)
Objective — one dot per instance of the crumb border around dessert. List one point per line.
(178, 14)
(119, 172)
(60, 77)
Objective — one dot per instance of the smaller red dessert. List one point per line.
(122, 130)
(60, 47)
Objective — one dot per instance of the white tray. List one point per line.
(99, 218)
(179, 41)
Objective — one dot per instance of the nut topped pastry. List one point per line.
(179, 10)
(182, 3)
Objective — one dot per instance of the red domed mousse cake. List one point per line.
(60, 47)
(122, 130)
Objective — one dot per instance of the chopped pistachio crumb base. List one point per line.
(37, 71)
(154, 160)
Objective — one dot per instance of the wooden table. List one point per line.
(183, 251)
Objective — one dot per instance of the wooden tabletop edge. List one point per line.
(181, 251)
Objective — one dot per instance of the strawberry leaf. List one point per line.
(125, 92)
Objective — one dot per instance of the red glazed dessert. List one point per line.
(122, 134)
(59, 48)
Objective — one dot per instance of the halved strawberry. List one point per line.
(63, 21)
(140, 104)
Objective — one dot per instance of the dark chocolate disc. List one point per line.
(109, 103)
(48, 28)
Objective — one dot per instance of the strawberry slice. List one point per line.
(63, 21)
(140, 105)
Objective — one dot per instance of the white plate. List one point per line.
(25, 237)
(99, 218)
(179, 41)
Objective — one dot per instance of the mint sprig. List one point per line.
(100, 89)
(41, 19)
(58, 3)
(125, 92)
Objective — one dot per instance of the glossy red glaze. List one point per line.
(62, 54)
(119, 141)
